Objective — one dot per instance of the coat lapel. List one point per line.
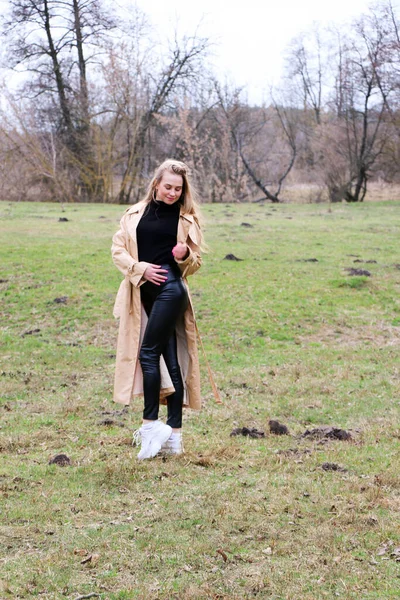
(185, 221)
(135, 214)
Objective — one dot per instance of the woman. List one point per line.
(157, 246)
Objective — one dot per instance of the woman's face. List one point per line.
(169, 190)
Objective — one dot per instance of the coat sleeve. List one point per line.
(131, 268)
(192, 262)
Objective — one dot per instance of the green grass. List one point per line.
(234, 518)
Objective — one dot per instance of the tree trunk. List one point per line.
(61, 87)
(83, 90)
(257, 182)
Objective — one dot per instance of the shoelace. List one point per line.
(137, 438)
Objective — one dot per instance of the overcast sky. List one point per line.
(251, 35)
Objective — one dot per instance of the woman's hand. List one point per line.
(154, 274)
(180, 251)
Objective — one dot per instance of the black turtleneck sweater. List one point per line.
(156, 233)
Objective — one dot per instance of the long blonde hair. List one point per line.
(189, 196)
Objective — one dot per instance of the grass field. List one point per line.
(290, 335)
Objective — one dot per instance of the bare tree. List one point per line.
(123, 102)
(254, 135)
(184, 64)
(32, 158)
(383, 20)
(363, 111)
(306, 70)
(54, 40)
(353, 124)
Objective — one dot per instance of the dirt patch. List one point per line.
(62, 460)
(357, 272)
(327, 466)
(232, 257)
(124, 412)
(246, 432)
(108, 422)
(379, 335)
(30, 332)
(327, 432)
(278, 428)
(61, 300)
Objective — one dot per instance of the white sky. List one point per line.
(251, 35)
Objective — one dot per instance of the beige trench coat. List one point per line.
(128, 308)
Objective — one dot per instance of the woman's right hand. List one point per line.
(154, 274)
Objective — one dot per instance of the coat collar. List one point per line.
(135, 208)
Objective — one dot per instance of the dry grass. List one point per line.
(304, 193)
(379, 335)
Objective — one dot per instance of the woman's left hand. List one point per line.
(180, 251)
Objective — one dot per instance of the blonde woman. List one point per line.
(157, 246)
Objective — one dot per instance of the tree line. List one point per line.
(100, 105)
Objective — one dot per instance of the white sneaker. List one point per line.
(153, 436)
(173, 445)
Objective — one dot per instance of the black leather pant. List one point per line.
(164, 304)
